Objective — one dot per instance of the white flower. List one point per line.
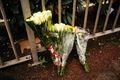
(59, 27)
(54, 28)
(47, 14)
(62, 26)
(28, 20)
(40, 17)
(36, 20)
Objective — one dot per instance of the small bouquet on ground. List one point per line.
(62, 44)
(81, 45)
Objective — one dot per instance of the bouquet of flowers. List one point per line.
(81, 45)
(64, 36)
(39, 23)
(58, 38)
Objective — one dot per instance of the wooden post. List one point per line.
(27, 13)
(86, 15)
(8, 29)
(73, 14)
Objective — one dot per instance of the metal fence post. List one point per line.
(86, 15)
(97, 16)
(107, 16)
(8, 29)
(73, 14)
(59, 11)
(116, 19)
(43, 4)
(27, 13)
(1, 63)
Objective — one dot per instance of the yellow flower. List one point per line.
(68, 27)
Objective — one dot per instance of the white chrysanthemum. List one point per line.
(59, 27)
(36, 20)
(40, 17)
(47, 14)
(35, 14)
(62, 26)
(31, 18)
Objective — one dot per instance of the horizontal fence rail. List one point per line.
(104, 31)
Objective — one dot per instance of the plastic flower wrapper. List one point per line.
(81, 45)
(62, 44)
(39, 22)
(68, 41)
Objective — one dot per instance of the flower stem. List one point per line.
(62, 71)
(86, 67)
(58, 70)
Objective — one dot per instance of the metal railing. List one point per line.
(31, 37)
(17, 58)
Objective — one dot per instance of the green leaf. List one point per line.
(69, 18)
(66, 2)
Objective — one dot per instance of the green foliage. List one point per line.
(86, 67)
(42, 60)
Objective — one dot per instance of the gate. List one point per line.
(31, 37)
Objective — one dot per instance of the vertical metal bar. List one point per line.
(116, 18)
(1, 63)
(97, 17)
(59, 11)
(43, 4)
(86, 15)
(107, 17)
(73, 14)
(27, 13)
(8, 30)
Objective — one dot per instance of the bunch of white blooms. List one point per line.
(57, 27)
(40, 17)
